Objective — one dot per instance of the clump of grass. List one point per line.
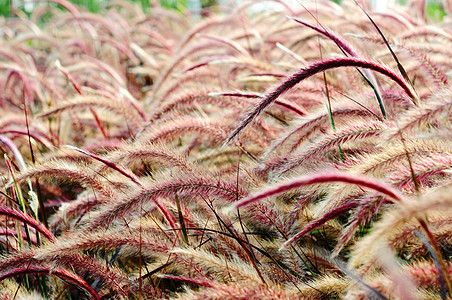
(152, 155)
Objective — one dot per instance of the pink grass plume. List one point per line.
(22, 217)
(313, 69)
(343, 44)
(11, 146)
(60, 273)
(108, 163)
(360, 180)
(66, 4)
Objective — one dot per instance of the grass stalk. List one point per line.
(424, 224)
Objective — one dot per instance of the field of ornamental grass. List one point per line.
(304, 153)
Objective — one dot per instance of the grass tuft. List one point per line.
(172, 154)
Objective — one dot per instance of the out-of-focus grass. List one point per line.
(5, 8)
(95, 6)
(435, 11)
(173, 4)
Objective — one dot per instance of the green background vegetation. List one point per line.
(434, 8)
(94, 6)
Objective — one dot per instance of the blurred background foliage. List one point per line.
(8, 8)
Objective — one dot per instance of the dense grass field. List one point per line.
(300, 153)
